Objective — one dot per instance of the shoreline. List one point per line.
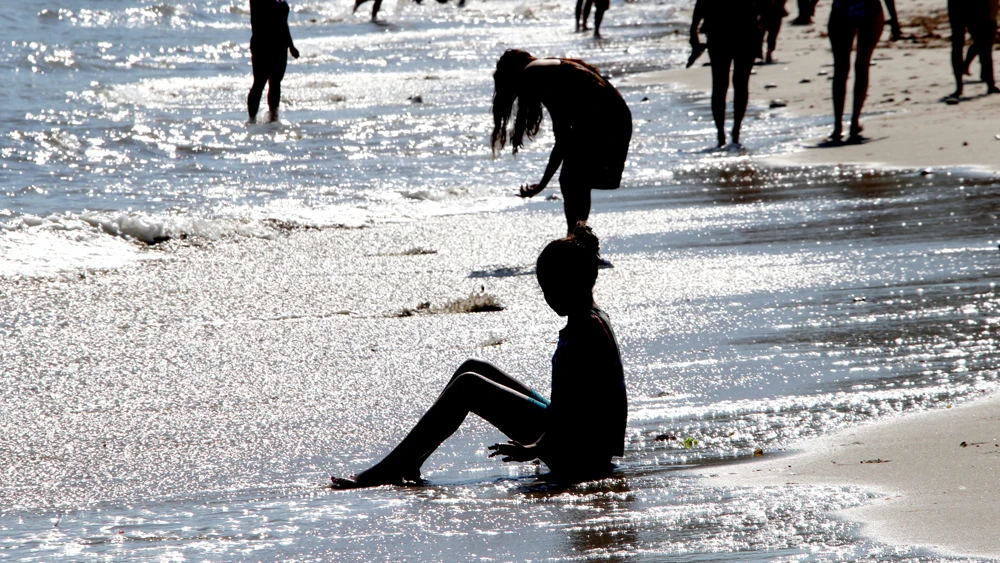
(907, 123)
(940, 469)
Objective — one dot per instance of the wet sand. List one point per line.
(905, 119)
(939, 471)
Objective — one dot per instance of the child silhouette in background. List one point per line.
(270, 43)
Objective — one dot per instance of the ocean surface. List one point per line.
(202, 319)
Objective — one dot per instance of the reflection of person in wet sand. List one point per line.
(583, 14)
(980, 18)
(849, 19)
(772, 12)
(590, 120)
(734, 41)
(270, 43)
(578, 431)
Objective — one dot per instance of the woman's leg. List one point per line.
(260, 72)
(868, 37)
(841, 42)
(983, 31)
(956, 17)
(576, 204)
(599, 10)
(742, 67)
(586, 12)
(514, 413)
(278, 65)
(721, 63)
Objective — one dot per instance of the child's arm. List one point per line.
(516, 451)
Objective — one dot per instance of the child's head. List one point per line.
(567, 270)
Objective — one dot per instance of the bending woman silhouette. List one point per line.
(733, 28)
(269, 46)
(590, 120)
(849, 19)
(576, 433)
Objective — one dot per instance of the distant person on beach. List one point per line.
(980, 18)
(772, 12)
(578, 431)
(733, 28)
(590, 120)
(378, 5)
(864, 20)
(583, 14)
(270, 43)
(807, 9)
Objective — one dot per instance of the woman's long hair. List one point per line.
(506, 80)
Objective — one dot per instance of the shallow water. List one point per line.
(187, 400)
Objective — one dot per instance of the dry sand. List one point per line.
(904, 116)
(938, 472)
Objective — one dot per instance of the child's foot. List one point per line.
(953, 98)
(721, 139)
(992, 90)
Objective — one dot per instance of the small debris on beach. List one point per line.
(759, 452)
(481, 302)
(770, 85)
(690, 442)
(416, 251)
(805, 81)
(665, 438)
(778, 104)
(417, 99)
(493, 341)
(880, 460)
(421, 308)
(964, 445)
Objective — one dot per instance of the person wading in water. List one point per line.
(269, 46)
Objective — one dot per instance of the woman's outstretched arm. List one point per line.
(555, 159)
(699, 15)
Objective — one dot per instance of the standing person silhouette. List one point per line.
(583, 14)
(772, 12)
(578, 431)
(733, 28)
(980, 18)
(269, 46)
(807, 8)
(864, 20)
(590, 120)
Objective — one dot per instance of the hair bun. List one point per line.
(585, 238)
